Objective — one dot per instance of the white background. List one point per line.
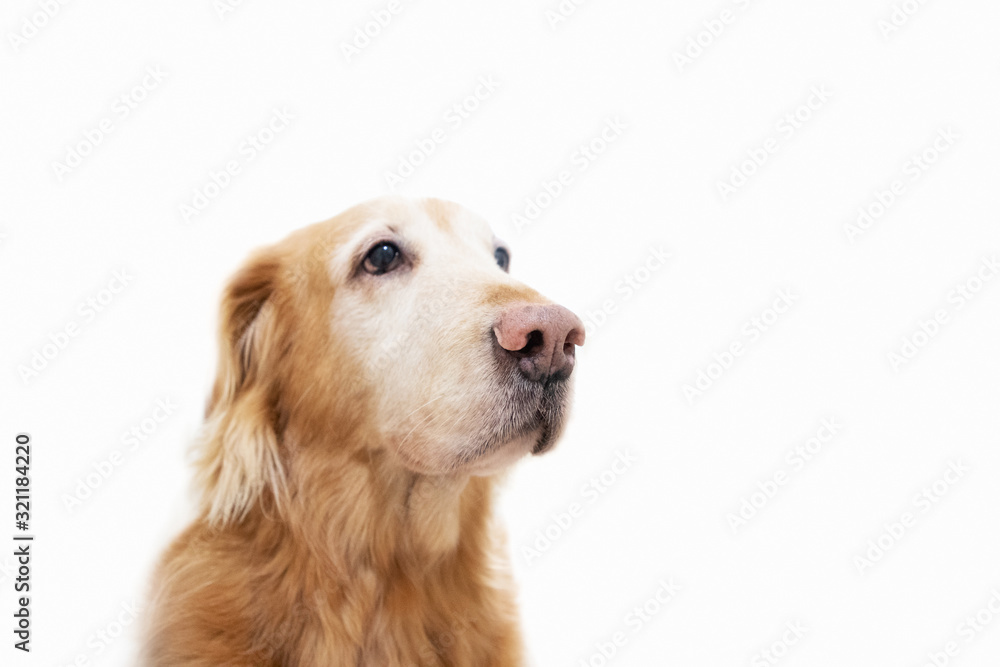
(856, 295)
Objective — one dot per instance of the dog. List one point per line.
(377, 373)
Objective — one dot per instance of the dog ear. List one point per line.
(239, 454)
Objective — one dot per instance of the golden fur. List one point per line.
(346, 505)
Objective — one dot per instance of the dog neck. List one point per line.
(363, 510)
(431, 513)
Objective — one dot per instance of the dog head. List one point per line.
(393, 327)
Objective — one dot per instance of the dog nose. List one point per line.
(541, 338)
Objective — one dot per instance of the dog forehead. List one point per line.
(429, 223)
(453, 219)
(426, 223)
(431, 227)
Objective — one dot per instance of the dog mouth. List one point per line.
(525, 410)
(550, 414)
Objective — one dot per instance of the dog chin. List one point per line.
(494, 458)
(498, 458)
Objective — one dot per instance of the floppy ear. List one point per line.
(239, 455)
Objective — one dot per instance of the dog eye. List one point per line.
(382, 258)
(503, 258)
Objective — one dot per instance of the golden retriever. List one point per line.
(376, 372)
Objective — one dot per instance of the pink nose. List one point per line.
(541, 339)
